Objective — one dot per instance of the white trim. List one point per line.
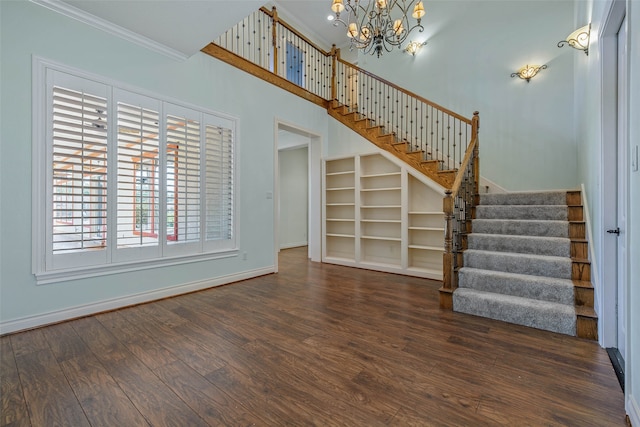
(111, 28)
(294, 245)
(633, 410)
(56, 276)
(493, 187)
(30, 322)
(595, 277)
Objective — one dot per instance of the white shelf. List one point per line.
(382, 207)
(427, 228)
(389, 239)
(427, 248)
(341, 189)
(340, 204)
(377, 175)
(340, 173)
(341, 235)
(382, 189)
(341, 220)
(388, 221)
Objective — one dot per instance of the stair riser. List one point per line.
(520, 244)
(557, 291)
(540, 198)
(557, 267)
(558, 213)
(521, 228)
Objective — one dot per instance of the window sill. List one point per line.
(47, 277)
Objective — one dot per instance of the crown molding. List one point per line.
(109, 27)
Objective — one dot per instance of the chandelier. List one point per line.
(377, 25)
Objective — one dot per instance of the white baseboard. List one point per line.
(57, 316)
(633, 410)
(293, 245)
(488, 186)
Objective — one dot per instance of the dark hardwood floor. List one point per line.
(315, 344)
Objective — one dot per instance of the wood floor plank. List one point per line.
(315, 344)
(213, 405)
(49, 398)
(145, 347)
(14, 408)
(150, 396)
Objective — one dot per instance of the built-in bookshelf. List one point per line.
(340, 209)
(379, 215)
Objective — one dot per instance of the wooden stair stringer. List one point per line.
(388, 142)
(586, 317)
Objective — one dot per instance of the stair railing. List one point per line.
(272, 47)
(424, 126)
(265, 40)
(459, 209)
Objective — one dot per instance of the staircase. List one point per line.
(526, 263)
(526, 260)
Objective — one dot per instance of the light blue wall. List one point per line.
(527, 133)
(28, 29)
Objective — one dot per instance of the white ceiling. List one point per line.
(186, 26)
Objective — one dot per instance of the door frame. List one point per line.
(314, 147)
(609, 115)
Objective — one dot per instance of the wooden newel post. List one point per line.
(274, 39)
(448, 285)
(475, 129)
(334, 63)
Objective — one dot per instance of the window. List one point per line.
(122, 177)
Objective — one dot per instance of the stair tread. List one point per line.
(521, 276)
(513, 298)
(585, 311)
(551, 316)
(516, 254)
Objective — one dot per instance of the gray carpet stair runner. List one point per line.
(517, 267)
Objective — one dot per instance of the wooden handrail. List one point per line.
(293, 30)
(407, 92)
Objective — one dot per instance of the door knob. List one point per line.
(614, 231)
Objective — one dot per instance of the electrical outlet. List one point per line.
(634, 159)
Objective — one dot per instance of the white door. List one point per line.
(622, 173)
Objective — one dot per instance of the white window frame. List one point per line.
(45, 266)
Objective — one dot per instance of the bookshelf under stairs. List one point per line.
(526, 263)
(381, 215)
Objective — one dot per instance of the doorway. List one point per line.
(298, 152)
(615, 187)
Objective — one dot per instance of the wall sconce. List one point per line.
(579, 39)
(413, 47)
(528, 72)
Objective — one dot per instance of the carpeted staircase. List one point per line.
(525, 263)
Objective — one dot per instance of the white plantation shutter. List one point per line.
(183, 179)
(79, 171)
(138, 176)
(124, 181)
(219, 183)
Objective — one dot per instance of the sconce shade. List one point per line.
(413, 47)
(528, 72)
(579, 39)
